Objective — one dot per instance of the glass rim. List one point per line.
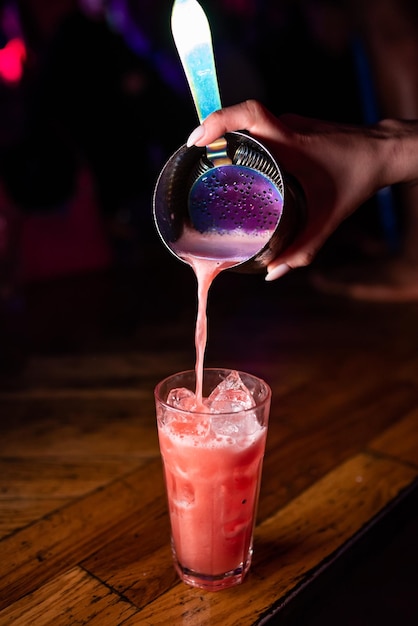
(266, 399)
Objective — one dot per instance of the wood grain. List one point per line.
(291, 544)
(71, 598)
(84, 531)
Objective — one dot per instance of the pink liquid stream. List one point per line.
(209, 255)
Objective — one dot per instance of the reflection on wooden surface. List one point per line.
(84, 532)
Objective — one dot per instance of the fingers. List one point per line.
(249, 115)
(197, 134)
(278, 268)
(219, 123)
(277, 272)
(301, 253)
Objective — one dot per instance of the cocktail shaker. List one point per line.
(231, 199)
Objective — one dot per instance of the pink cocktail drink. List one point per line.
(212, 465)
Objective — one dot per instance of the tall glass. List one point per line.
(212, 465)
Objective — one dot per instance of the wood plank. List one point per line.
(60, 477)
(302, 446)
(400, 441)
(74, 597)
(138, 564)
(290, 545)
(60, 540)
(31, 488)
(79, 424)
(16, 513)
(132, 370)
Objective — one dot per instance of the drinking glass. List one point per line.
(212, 466)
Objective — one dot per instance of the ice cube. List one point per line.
(183, 417)
(238, 431)
(182, 398)
(230, 396)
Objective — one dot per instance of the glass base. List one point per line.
(215, 582)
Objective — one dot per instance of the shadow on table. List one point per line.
(373, 584)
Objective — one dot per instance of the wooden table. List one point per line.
(84, 534)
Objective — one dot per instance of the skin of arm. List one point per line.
(339, 166)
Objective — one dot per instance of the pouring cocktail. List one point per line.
(212, 423)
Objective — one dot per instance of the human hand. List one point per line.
(338, 167)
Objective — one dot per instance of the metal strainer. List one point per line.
(228, 200)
